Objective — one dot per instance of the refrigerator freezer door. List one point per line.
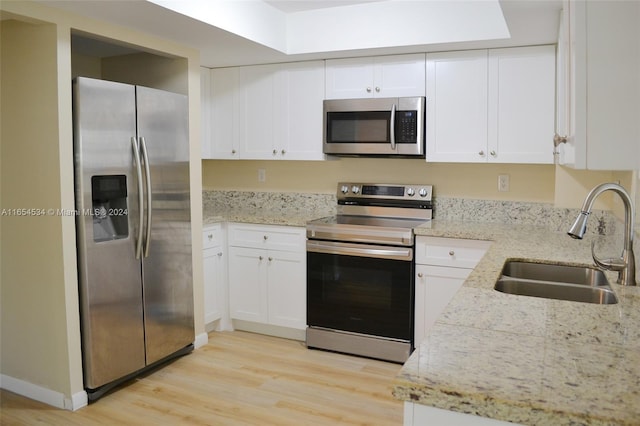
(168, 284)
(107, 202)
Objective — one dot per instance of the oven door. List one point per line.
(360, 288)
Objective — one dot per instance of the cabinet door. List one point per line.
(301, 89)
(383, 77)
(521, 105)
(603, 125)
(257, 112)
(224, 114)
(457, 106)
(399, 76)
(350, 78)
(563, 86)
(286, 276)
(435, 287)
(247, 284)
(213, 275)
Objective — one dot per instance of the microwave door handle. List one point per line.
(393, 127)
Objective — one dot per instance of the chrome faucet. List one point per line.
(626, 264)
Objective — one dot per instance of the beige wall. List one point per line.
(528, 182)
(34, 319)
(40, 341)
(538, 183)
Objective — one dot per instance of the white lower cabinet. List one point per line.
(442, 266)
(419, 415)
(214, 263)
(267, 275)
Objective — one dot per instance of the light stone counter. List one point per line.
(266, 208)
(529, 360)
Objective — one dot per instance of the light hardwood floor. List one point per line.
(238, 378)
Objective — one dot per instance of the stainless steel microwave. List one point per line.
(385, 127)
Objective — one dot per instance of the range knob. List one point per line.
(355, 189)
(423, 192)
(344, 189)
(411, 192)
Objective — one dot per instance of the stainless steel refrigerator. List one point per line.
(133, 229)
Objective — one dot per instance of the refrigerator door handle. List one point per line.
(136, 157)
(147, 172)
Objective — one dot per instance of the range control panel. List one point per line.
(384, 191)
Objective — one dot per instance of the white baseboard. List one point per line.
(44, 395)
(201, 340)
(271, 330)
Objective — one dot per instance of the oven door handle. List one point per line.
(360, 250)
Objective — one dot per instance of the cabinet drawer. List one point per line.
(211, 236)
(272, 237)
(450, 252)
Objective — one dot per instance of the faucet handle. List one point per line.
(609, 264)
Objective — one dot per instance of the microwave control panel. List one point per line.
(406, 126)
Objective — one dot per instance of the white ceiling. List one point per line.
(292, 6)
(529, 22)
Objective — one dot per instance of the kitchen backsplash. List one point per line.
(287, 202)
(451, 209)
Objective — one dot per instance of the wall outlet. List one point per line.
(503, 183)
(262, 175)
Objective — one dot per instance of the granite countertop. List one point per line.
(262, 216)
(529, 360)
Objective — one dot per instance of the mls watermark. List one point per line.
(31, 212)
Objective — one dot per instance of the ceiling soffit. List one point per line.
(349, 25)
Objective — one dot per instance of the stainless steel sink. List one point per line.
(563, 282)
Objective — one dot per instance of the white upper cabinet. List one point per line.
(301, 90)
(457, 106)
(224, 114)
(491, 105)
(381, 77)
(257, 112)
(599, 88)
(521, 104)
(265, 112)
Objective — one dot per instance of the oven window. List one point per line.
(360, 295)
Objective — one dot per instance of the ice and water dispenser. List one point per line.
(109, 207)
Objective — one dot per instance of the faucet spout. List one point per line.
(626, 265)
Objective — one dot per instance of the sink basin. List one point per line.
(563, 282)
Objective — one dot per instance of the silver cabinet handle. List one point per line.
(368, 89)
(220, 254)
(260, 257)
(493, 153)
(452, 253)
(420, 275)
(378, 89)
(147, 172)
(481, 153)
(283, 152)
(557, 140)
(233, 151)
(265, 237)
(270, 259)
(136, 157)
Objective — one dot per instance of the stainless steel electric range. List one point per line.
(360, 270)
